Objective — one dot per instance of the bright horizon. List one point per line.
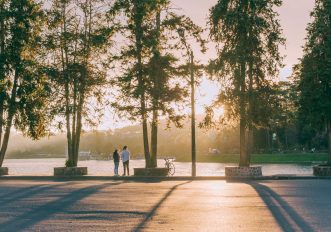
(294, 18)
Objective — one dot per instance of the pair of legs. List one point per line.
(116, 167)
(126, 167)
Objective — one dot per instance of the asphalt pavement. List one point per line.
(156, 205)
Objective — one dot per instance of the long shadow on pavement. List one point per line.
(287, 217)
(103, 214)
(158, 205)
(34, 216)
(27, 192)
(18, 191)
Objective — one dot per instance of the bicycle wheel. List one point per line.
(171, 168)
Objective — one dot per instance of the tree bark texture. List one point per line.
(156, 91)
(329, 142)
(10, 116)
(243, 162)
(138, 41)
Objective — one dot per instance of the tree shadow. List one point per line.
(151, 213)
(286, 216)
(19, 191)
(103, 214)
(42, 212)
(27, 192)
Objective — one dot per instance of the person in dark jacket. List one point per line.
(116, 158)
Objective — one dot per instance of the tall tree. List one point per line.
(78, 42)
(149, 81)
(133, 18)
(166, 70)
(23, 87)
(248, 35)
(315, 78)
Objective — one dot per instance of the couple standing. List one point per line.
(125, 156)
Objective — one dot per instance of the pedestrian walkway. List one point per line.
(151, 205)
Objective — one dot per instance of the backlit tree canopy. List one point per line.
(248, 36)
(315, 78)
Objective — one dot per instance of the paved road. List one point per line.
(291, 205)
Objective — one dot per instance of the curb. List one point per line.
(154, 178)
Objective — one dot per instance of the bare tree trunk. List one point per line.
(250, 143)
(243, 146)
(4, 144)
(65, 61)
(1, 117)
(193, 139)
(74, 122)
(145, 130)
(156, 90)
(10, 116)
(250, 132)
(67, 112)
(243, 122)
(138, 37)
(2, 70)
(79, 91)
(154, 136)
(78, 128)
(329, 142)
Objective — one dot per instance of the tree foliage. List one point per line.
(315, 78)
(248, 35)
(78, 41)
(149, 83)
(24, 89)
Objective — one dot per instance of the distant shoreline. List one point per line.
(292, 158)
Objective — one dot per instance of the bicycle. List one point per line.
(170, 166)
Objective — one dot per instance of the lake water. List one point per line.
(40, 167)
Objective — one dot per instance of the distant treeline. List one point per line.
(174, 142)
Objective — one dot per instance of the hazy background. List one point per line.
(294, 17)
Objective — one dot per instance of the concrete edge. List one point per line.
(154, 178)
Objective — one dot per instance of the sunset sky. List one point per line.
(294, 16)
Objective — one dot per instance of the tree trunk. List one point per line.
(193, 141)
(138, 41)
(243, 151)
(10, 116)
(155, 92)
(145, 131)
(74, 121)
(250, 132)
(5, 141)
(243, 162)
(65, 61)
(329, 142)
(79, 126)
(1, 117)
(154, 139)
(250, 149)
(69, 138)
(2, 68)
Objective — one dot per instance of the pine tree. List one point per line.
(150, 81)
(166, 68)
(315, 78)
(24, 89)
(133, 18)
(248, 35)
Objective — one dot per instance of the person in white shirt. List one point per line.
(125, 155)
